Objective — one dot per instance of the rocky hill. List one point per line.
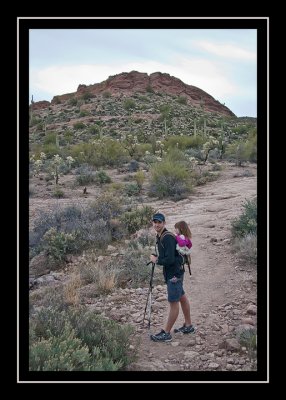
(129, 83)
(138, 104)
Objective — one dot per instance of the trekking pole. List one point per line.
(149, 296)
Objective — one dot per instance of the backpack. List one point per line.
(186, 258)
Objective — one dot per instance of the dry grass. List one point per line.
(106, 278)
(71, 289)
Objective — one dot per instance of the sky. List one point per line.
(222, 62)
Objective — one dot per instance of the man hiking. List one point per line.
(173, 272)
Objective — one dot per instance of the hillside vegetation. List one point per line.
(100, 166)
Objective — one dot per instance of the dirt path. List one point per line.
(219, 290)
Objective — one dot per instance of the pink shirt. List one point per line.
(184, 241)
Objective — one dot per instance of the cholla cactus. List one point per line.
(55, 164)
(38, 164)
(212, 143)
(70, 160)
(43, 156)
(130, 143)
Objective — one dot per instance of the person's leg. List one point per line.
(175, 292)
(185, 304)
(173, 315)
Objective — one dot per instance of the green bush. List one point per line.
(246, 223)
(102, 177)
(246, 248)
(58, 244)
(132, 189)
(137, 219)
(72, 101)
(60, 353)
(169, 179)
(58, 193)
(78, 340)
(85, 175)
(78, 126)
(184, 142)
(106, 94)
(139, 178)
(182, 100)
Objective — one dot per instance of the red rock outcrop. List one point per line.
(127, 83)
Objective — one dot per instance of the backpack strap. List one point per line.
(174, 236)
(164, 234)
(186, 261)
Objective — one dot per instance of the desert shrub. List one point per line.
(246, 223)
(133, 166)
(49, 297)
(107, 152)
(106, 94)
(76, 339)
(244, 172)
(248, 338)
(85, 175)
(132, 189)
(102, 177)
(183, 142)
(136, 219)
(60, 353)
(50, 138)
(71, 289)
(182, 100)
(75, 227)
(103, 275)
(49, 321)
(58, 193)
(51, 149)
(169, 179)
(133, 268)
(139, 178)
(34, 121)
(83, 113)
(78, 126)
(72, 101)
(106, 278)
(108, 342)
(203, 177)
(94, 130)
(246, 248)
(149, 89)
(87, 96)
(129, 104)
(106, 207)
(195, 153)
(146, 238)
(242, 151)
(58, 244)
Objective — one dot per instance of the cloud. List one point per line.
(226, 50)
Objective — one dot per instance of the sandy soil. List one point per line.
(221, 290)
(218, 282)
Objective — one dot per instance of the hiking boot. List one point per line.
(186, 329)
(161, 337)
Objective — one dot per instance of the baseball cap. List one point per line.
(158, 217)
